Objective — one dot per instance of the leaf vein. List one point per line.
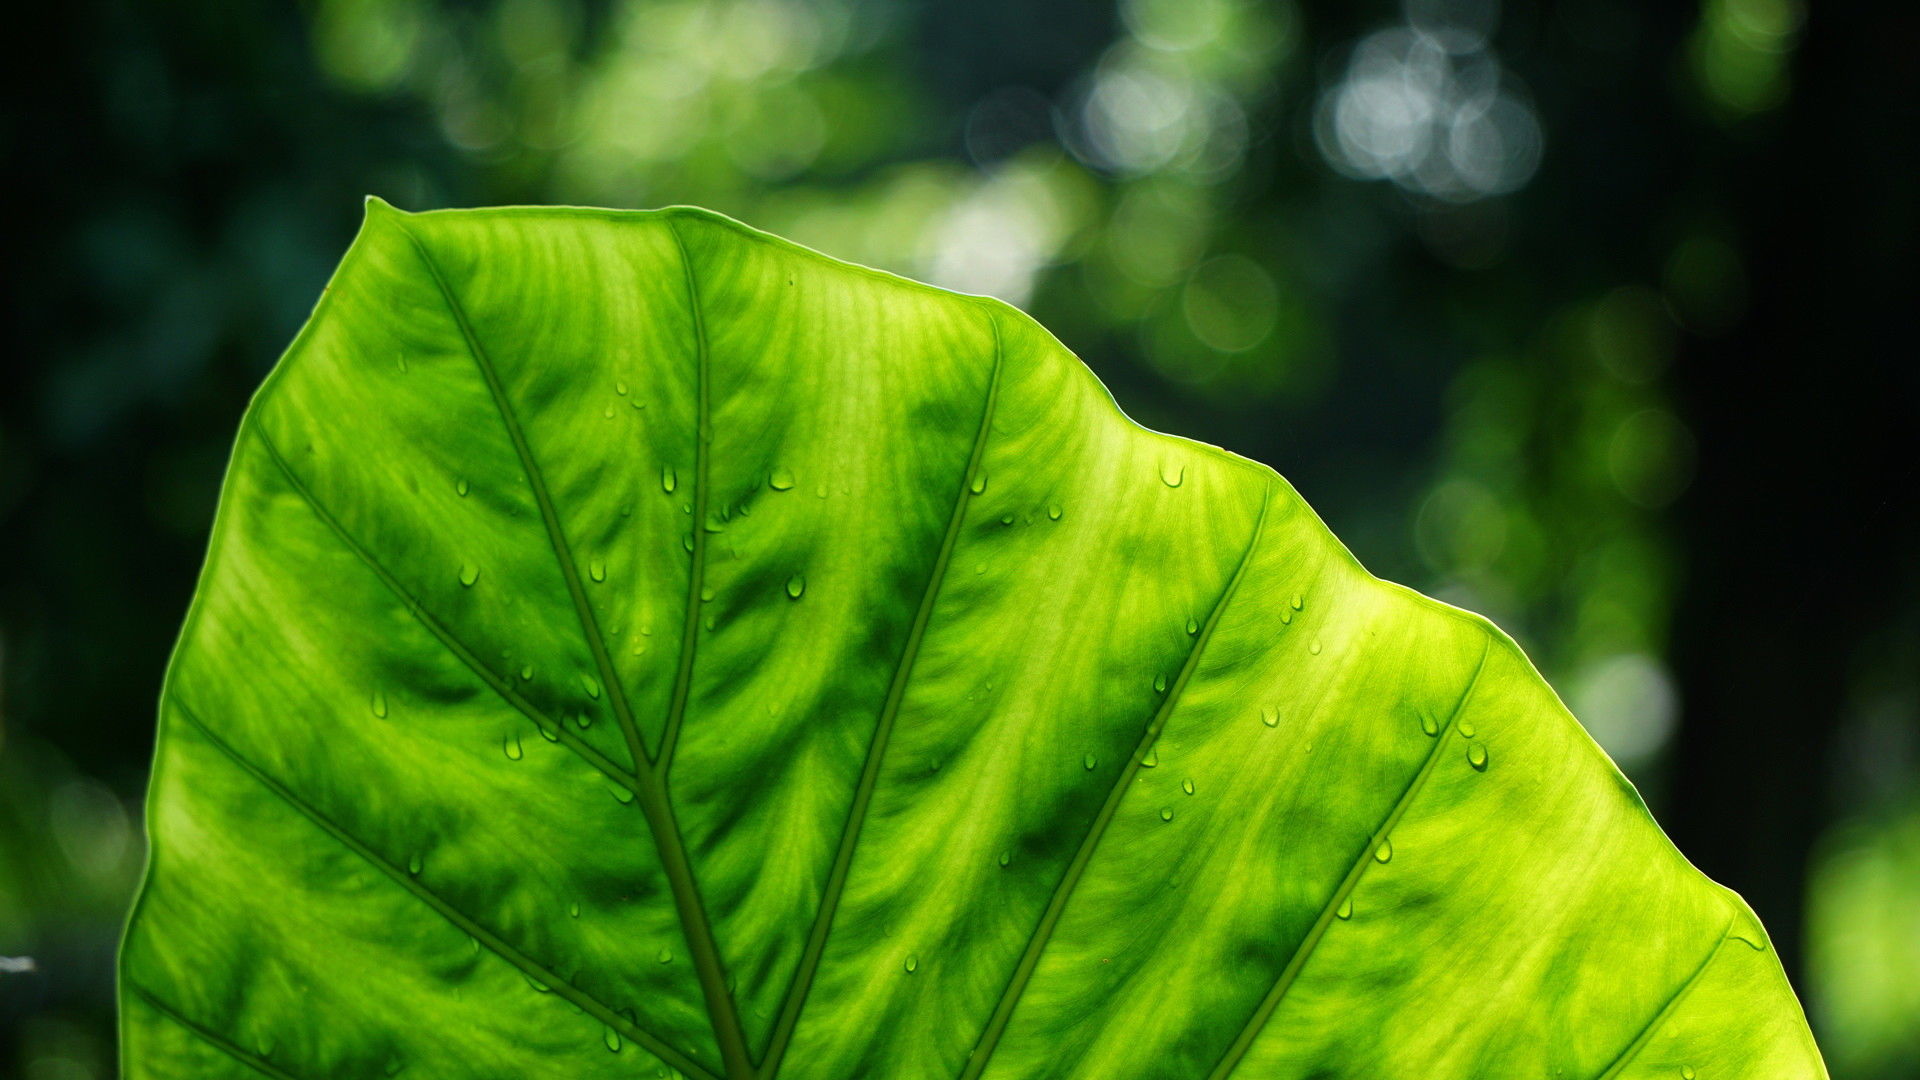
(460, 920)
(1645, 1034)
(209, 1036)
(652, 797)
(1237, 1050)
(439, 630)
(989, 1040)
(696, 574)
(815, 948)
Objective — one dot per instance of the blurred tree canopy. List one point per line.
(1591, 316)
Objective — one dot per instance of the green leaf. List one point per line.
(633, 643)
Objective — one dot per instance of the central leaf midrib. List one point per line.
(652, 798)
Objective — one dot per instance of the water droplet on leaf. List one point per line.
(469, 574)
(379, 704)
(1383, 853)
(1477, 756)
(1173, 476)
(781, 480)
(1345, 910)
(668, 481)
(796, 585)
(511, 744)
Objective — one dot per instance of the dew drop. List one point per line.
(978, 484)
(612, 1039)
(550, 736)
(665, 955)
(1166, 813)
(796, 585)
(781, 480)
(597, 570)
(1467, 728)
(1192, 626)
(607, 412)
(591, 685)
(469, 574)
(1270, 715)
(686, 541)
(1345, 910)
(526, 673)
(1160, 684)
(1187, 786)
(668, 481)
(1006, 857)
(1314, 648)
(1286, 616)
(511, 744)
(623, 796)
(1477, 756)
(1383, 853)
(709, 623)
(1686, 1072)
(1053, 512)
(1152, 760)
(584, 721)
(620, 387)
(1006, 519)
(460, 486)
(706, 595)
(573, 909)
(414, 863)
(1429, 725)
(538, 986)
(1296, 601)
(1089, 762)
(913, 963)
(379, 703)
(1173, 477)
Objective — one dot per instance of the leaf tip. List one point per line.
(377, 206)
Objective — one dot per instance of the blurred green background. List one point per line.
(1593, 316)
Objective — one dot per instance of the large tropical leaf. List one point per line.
(632, 643)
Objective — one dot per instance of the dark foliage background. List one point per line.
(1595, 316)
